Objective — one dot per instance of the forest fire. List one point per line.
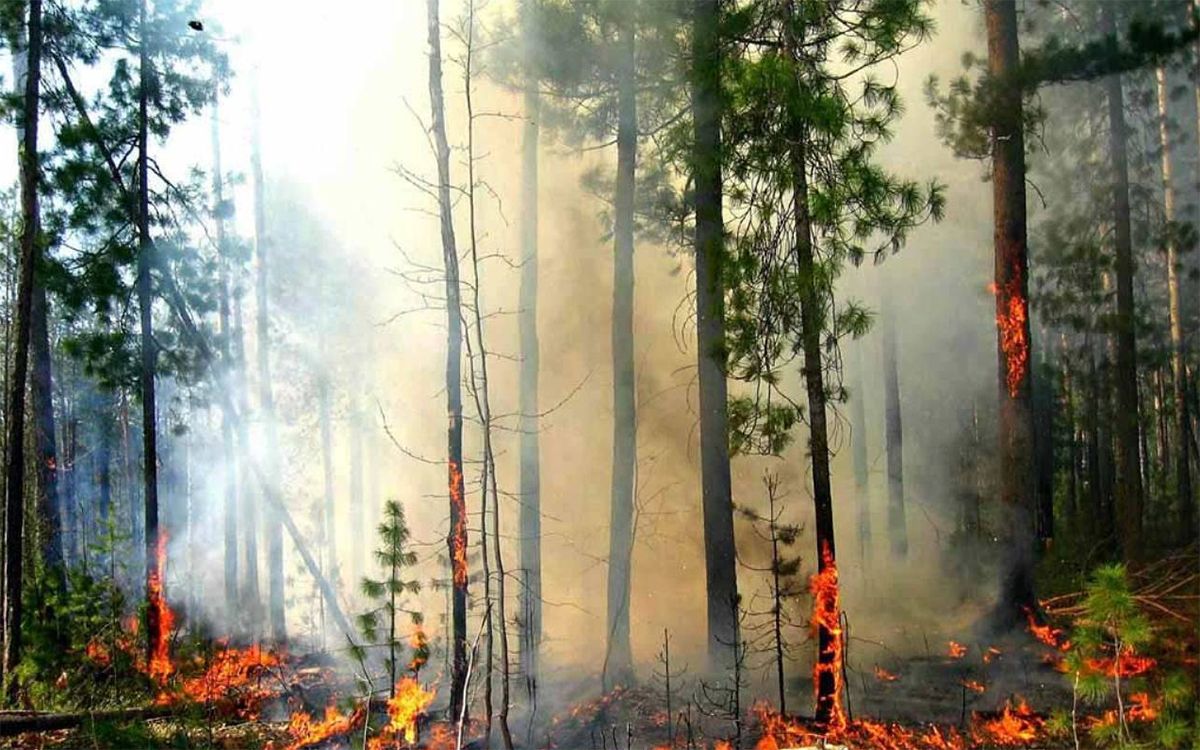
(307, 732)
(1129, 664)
(883, 675)
(975, 686)
(236, 677)
(1012, 322)
(458, 534)
(160, 618)
(956, 650)
(827, 621)
(404, 709)
(1015, 726)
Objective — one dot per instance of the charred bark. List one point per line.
(715, 482)
(1012, 317)
(456, 539)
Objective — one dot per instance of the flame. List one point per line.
(1012, 320)
(883, 675)
(419, 643)
(991, 654)
(309, 732)
(458, 534)
(827, 617)
(232, 676)
(404, 708)
(1128, 664)
(98, 653)
(956, 650)
(160, 618)
(1048, 635)
(1016, 725)
(973, 685)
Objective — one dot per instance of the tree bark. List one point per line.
(894, 435)
(715, 481)
(1129, 484)
(1012, 317)
(618, 662)
(456, 539)
(156, 638)
(530, 514)
(15, 467)
(266, 396)
(1183, 476)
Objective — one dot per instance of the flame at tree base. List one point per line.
(160, 618)
(827, 621)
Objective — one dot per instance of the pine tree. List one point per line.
(393, 556)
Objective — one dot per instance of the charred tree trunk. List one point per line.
(229, 478)
(51, 509)
(155, 631)
(15, 467)
(1183, 475)
(618, 658)
(1012, 316)
(715, 482)
(897, 524)
(1129, 484)
(266, 396)
(530, 514)
(827, 672)
(456, 540)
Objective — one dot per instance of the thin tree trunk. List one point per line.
(1129, 485)
(530, 514)
(618, 658)
(1044, 451)
(251, 595)
(155, 563)
(1092, 519)
(827, 671)
(51, 510)
(15, 468)
(329, 529)
(266, 396)
(894, 434)
(715, 482)
(1183, 475)
(229, 478)
(1012, 318)
(456, 539)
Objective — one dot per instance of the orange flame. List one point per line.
(883, 675)
(1016, 725)
(458, 533)
(956, 650)
(990, 655)
(1128, 665)
(408, 704)
(309, 732)
(1012, 318)
(827, 616)
(419, 643)
(232, 676)
(974, 686)
(160, 667)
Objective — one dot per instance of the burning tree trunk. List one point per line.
(1012, 314)
(715, 483)
(262, 320)
(530, 514)
(15, 468)
(894, 435)
(618, 659)
(1129, 484)
(157, 617)
(456, 540)
(858, 444)
(229, 477)
(1183, 476)
(826, 618)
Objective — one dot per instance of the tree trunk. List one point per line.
(1012, 317)
(266, 397)
(897, 523)
(1093, 518)
(858, 444)
(251, 596)
(356, 562)
(155, 627)
(456, 539)
(1129, 484)
(15, 468)
(715, 481)
(229, 478)
(51, 509)
(1183, 475)
(618, 661)
(328, 526)
(530, 514)
(827, 672)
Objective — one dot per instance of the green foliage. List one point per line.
(388, 592)
(789, 84)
